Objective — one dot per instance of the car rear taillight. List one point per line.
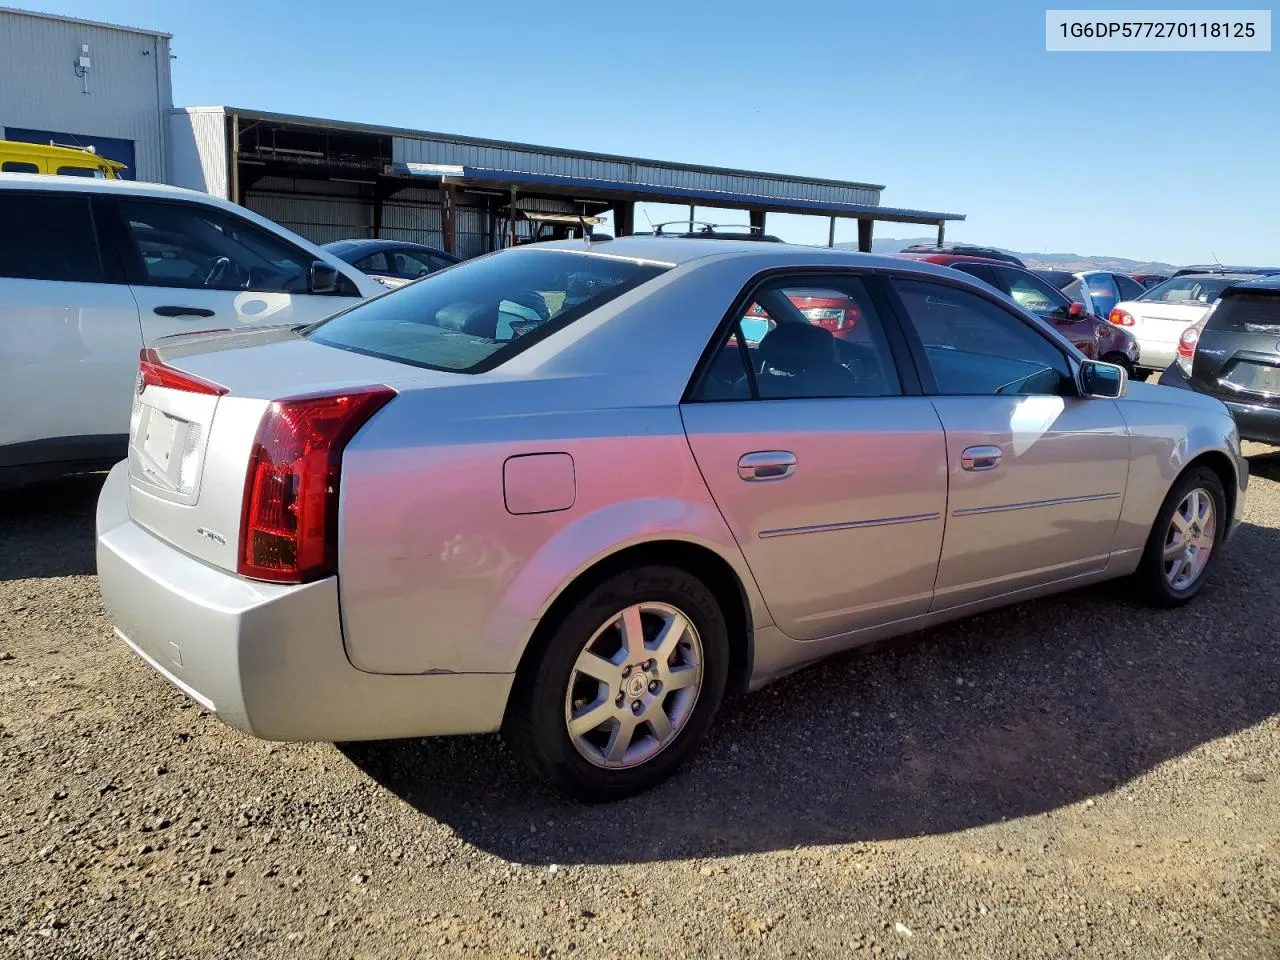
(1121, 318)
(154, 372)
(1187, 348)
(289, 522)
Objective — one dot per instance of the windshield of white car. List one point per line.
(1188, 290)
(479, 314)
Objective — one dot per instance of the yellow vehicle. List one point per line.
(19, 157)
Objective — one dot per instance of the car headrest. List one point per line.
(795, 347)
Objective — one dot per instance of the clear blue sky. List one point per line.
(954, 106)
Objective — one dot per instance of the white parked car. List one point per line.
(92, 271)
(1158, 317)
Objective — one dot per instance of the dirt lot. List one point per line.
(1077, 776)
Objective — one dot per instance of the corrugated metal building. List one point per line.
(329, 179)
(83, 83)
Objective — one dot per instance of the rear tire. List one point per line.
(1185, 540)
(601, 715)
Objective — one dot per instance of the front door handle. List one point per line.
(176, 311)
(980, 458)
(767, 465)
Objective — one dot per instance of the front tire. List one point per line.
(1185, 539)
(625, 687)
(1120, 360)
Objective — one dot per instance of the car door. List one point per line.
(1036, 472)
(69, 335)
(194, 266)
(823, 457)
(1102, 292)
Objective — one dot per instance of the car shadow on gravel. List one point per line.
(46, 529)
(1003, 715)
(1265, 465)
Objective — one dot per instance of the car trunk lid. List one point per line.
(196, 415)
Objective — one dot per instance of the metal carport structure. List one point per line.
(330, 180)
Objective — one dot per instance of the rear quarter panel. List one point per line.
(437, 575)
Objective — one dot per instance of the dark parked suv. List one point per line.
(1233, 354)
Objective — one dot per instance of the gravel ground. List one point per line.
(1073, 777)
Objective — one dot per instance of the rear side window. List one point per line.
(375, 263)
(81, 172)
(48, 236)
(18, 166)
(804, 338)
(484, 312)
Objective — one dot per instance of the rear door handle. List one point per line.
(980, 458)
(176, 311)
(767, 465)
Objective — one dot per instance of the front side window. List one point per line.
(804, 339)
(1035, 295)
(976, 348)
(198, 247)
(486, 311)
(48, 236)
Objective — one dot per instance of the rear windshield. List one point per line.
(474, 316)
(1188, 290)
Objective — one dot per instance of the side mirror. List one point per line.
(324, 278)
(1108, 381)
(1076, 311)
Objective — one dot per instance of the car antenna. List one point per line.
(1216, 260)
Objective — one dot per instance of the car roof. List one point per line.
(1258, 284)
(674, 251)
(42, 181)
(1221, 271)
(56, 151)
(374, 245)
(1216, 275)
(946, 259)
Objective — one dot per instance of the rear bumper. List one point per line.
(1255, 421)
(1156, 355)
(267, 659)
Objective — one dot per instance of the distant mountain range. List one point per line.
(1071, 262)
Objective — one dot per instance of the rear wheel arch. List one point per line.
(693, 558)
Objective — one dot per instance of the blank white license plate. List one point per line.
(158, 444)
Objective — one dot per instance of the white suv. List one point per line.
(92, 271)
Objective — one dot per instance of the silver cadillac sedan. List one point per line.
(579, 492)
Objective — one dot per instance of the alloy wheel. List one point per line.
(1190, 539)
(634, 685)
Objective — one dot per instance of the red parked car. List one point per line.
(1093, 336)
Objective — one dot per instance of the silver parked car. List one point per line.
(577, 492)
